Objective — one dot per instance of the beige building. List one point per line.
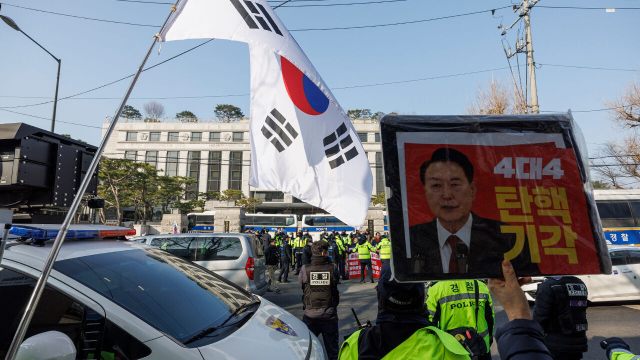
(218, 155)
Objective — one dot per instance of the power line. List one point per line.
(402, 23)
(587, 67)
(344, 4)
(80, 17)
(586, 8)
(49, 119)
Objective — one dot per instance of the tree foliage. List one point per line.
(129, 112)
(226, 112)
(153, 109)
(359, 113)
(496, 98)
(187, 116)
(232, 195)
(625, 110)
(115, 177)
(600, 185)
(249, 203)
(378, 199)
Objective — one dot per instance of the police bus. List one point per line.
(200, 222)
(620, 215)
(272, 222)
(318, 223)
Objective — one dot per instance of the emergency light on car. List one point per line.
(49, 232)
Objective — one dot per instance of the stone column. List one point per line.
(375, 214)
(234, 216)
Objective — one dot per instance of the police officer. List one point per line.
(364, 250)
(285, 258)
(319, 282)
(342, 254)
(561, 309)
(617, 349)
(464, 309)
(401, 331)
(298, 245)
(334, 254)
(306, 253)
(384, 249)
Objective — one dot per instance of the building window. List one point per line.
(379, 174)
(235, 170)
(172, 163)
(131, 155)
(377, 137)
(151, 158)
(193, 171)
(268, 196)
(238, 136)
(173, 136)
(196, 136)
(215, 163)
(154, 136)
(214, 136)
(132, 136)
(363, 137)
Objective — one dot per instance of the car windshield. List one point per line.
(177, 297)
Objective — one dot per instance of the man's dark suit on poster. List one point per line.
(485, 254)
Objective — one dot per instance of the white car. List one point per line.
(117, 300)
(621, 285)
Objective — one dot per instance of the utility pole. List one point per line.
(524, 8)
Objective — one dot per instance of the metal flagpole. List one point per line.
(55, 249)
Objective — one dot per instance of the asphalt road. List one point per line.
(605, 320)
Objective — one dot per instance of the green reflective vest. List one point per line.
(622, 354)
(340, 245)
(385, 249)
(451, 305)
(364, 251)
(297, 242)
(426, 343)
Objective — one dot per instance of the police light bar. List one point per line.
(50, 231)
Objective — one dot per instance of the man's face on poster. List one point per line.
(448, 191)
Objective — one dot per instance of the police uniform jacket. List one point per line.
(329, 314)
(555, 306)
(306, 255)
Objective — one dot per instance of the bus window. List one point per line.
(635, 206)
(204, 219)
(289, 221)
(308, 221)
(333, 221)
(319, 221)
(615, 214)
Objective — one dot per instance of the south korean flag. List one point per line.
(302, 142)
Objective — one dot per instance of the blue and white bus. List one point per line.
(200, 222)
(272, 222)
(620, 215)
(318, 223)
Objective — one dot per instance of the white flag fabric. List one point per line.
(302, 143)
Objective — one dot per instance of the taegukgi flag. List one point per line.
(301, 140)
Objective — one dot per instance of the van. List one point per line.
(238, 258)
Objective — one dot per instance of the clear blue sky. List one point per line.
(94, 53)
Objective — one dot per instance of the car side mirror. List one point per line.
(50, 345)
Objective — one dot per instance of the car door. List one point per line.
(634, 266)
(619, 284)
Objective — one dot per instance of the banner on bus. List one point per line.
(469, 192)
(353, 266)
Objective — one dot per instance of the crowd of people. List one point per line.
(451, 319)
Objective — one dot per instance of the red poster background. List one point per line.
(484, 160)
(353, 266)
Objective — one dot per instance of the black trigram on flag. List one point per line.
(258, 13)
(282, 136)
(335, 144)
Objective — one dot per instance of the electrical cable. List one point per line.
(587, 67)
(49, 119)
(585, 8)
(344, 4)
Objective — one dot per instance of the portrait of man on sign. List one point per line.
(458, 241)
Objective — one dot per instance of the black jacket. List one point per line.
(306, 255)
(553, 304)
(287, 251)
(271, 255)
(521, 339)
(486, 251)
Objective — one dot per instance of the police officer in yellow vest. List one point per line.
(617, 349)
(463, 308)
(402, 330)
(384, 249)
(364, 250)
(298, 245)
(342, 255)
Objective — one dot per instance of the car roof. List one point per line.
(36, 256)
(195, 234)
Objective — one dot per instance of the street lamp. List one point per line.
(15, 27)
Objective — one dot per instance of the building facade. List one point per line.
(218, 155)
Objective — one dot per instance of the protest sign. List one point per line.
(468, 192)
(353, 266)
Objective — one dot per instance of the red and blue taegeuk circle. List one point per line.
(302, 91)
